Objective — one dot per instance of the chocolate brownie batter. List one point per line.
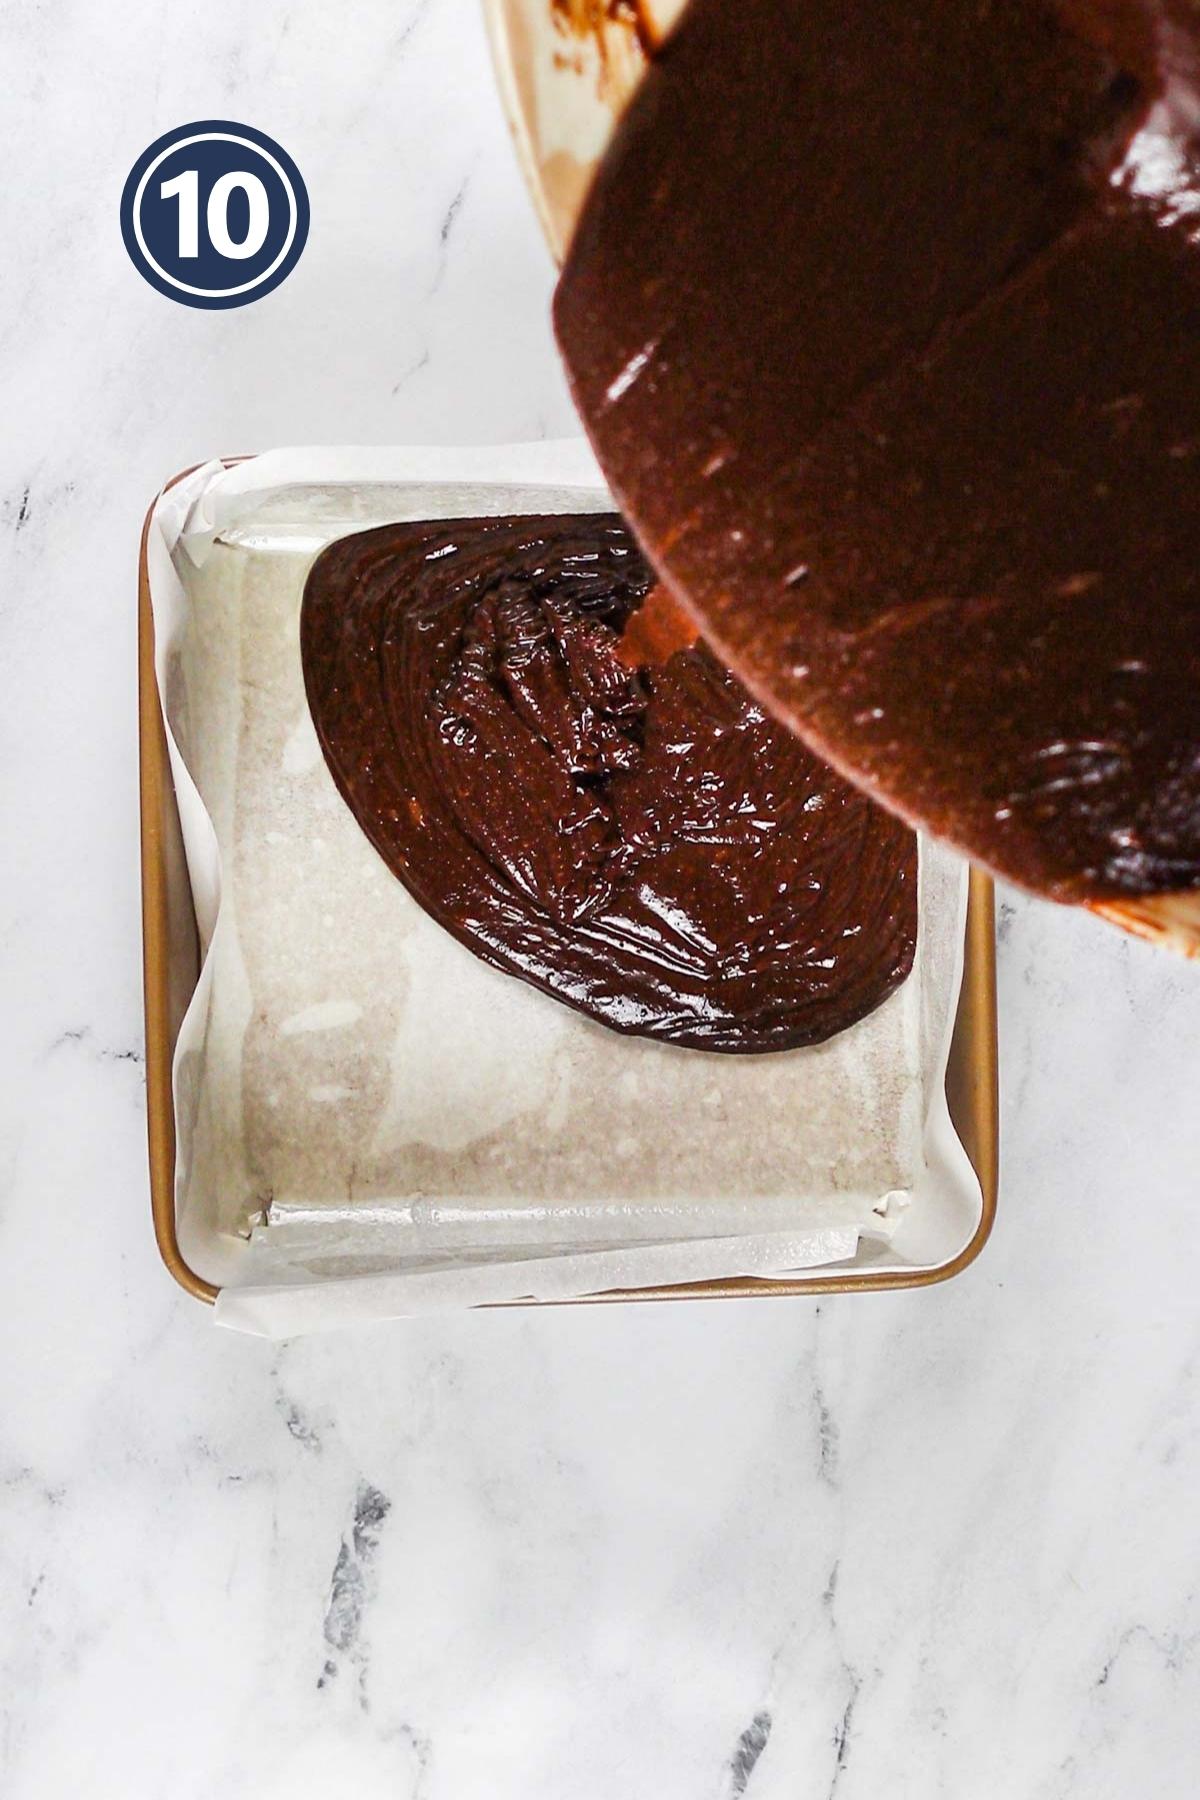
(581, 793)
(884, 318)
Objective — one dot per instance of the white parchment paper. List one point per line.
(371, 1121)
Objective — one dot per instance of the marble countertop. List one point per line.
(906, 1545)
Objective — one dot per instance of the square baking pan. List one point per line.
(171, 959)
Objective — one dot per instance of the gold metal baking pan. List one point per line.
(171, 966)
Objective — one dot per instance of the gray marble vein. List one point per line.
(750, 1747)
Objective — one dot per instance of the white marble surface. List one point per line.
(943, 1543)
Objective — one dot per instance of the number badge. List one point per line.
(214, 214)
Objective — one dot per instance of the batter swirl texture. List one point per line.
(587, 799)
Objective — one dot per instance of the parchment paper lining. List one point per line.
(370, 1120)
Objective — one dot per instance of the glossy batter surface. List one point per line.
(884, 318)
(586, 798)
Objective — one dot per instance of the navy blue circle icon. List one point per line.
(214, 214)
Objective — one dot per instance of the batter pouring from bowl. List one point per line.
(884, 320)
